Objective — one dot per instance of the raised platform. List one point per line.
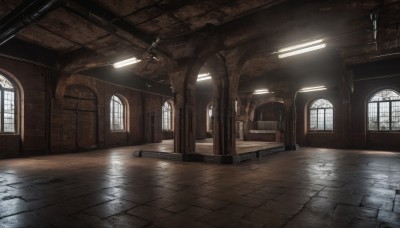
(246, 150)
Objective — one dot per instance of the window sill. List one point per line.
(321, 132)
(385, 132)
(113, 131)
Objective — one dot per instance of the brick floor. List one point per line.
(310, 187)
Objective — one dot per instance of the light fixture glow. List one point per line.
(301, 51)
(260, 91)
(126, 62)
(300, 46)
(312, 89)
(202, 77)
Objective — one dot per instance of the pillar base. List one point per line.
(219, 159)
(292, 147)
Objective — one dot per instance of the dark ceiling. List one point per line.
(82, 35)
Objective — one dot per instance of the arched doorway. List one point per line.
(79, 119)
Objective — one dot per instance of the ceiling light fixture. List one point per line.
(301, 48)
(312, 89)
(260, 91)
(203, 77)
(126, 62)
(301, 51)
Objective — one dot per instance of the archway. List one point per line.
(79, 118)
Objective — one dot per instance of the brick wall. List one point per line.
(48, 124)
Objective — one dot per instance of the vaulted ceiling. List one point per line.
(89, 35)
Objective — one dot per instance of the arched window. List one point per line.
(384, 111)
(117, 114)
(321, 115)
(166, 117)
(8, 103)
(210, 117)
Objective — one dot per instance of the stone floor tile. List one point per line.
(396, 206)
(292, 198)
(87, 221)
(191, 213)
(149, 213)
(305, 192)
(267, 218)
(314, 219)
(217, 219)
(251, 202)
(389, 217)
(127, 221)
(208, 203)
(386, 185)
(358, 212)
(345, 189)
(263, 195)
(377, 192)
(329, 183)
(28, 219)
(160, 203)
(107, 209)
(321, 204)
(285, 208)
(181, 222)
(139, 198)
(341, 197)
(378, 203)
(234, 210)
(270, 189)
(360, 223)
(177, 207)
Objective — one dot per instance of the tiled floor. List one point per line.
(111, 188)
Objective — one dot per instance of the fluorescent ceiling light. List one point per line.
(126, 62)
(312, 89)
(202, 77)
(301, 51)
(261, 91)
(300, 46)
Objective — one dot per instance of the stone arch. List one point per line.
(184, 93)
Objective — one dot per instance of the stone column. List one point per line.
(224, 136)
(245, 112)
(184, 120)
(290, 124)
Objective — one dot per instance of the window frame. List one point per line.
(309, 117)
(378, 103)
(210, 118)
(169, 111)
(112, 113)
(16, 105)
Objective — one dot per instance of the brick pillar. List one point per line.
(184, 116)
(290, 125)
(224, 132)
(184, 135)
